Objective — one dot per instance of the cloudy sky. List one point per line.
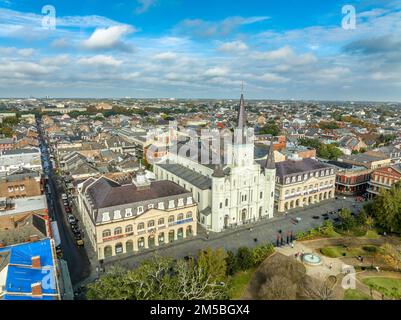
(287, 49)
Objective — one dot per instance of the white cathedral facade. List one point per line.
(228, 194)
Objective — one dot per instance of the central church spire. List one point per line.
(241, 118)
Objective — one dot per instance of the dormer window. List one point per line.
(128, 212)
(151, 206)
(189, 200)
(160, 206)
(171, 204)
(105, 217)
(117, 214)
(140, 210)
(181, 202)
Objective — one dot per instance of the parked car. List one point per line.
(78, 240)
(75, 229)
(71, 219)
(316, 217)
(67, 209)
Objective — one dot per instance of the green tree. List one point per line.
(362, 218)
(270, 128)
(232, 263)
(244, 258)
(347, 220)
(386, 209)
(111, 286)
(213, 262)
(260, 253)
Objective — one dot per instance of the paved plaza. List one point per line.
(245, 236)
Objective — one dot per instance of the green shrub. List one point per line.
(232, 263)
(260, 253)
(371, 249)
(244, 258)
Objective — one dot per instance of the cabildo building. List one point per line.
(125, 218)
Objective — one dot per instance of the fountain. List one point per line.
(311, 259)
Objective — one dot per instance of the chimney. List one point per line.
(36, 289)
(34, 238)
(36, 262)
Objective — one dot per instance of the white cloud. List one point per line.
(217, 72)
(107, 38)
(145, 5)
(233, 46)
(273, 78)
(165, 56)
(282, 53)
(203, 28)
(100, 60)
(28, 52)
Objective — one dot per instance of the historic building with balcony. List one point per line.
(384, 178)
(351, 180)
(301, 182)
(127, 218)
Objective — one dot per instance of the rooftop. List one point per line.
(290, 167)
(27, 204)
(20, 275)
(108, 193)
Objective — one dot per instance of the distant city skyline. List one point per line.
(282, 50)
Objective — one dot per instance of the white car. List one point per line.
(71, 219)
(298, 219)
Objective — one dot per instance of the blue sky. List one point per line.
(287, 49)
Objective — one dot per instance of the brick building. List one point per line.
(21, 183)
(351, 180)
(384, 178)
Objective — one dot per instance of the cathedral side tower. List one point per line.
(270, 179)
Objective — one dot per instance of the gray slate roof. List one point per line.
(198, 180)
(106, 193)
(290, 167)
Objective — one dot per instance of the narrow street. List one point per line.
(77, 259)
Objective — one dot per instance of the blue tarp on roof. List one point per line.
(21, 275)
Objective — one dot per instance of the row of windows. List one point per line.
(310, 187)
(305, 177)
(140, 209)
(150, 224)
(16, 188)
(384, 180)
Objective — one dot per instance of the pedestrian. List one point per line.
(292, 245)
(331, 266)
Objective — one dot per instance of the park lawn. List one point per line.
(386, 283)
(354, 294)
(372, 234)
(340, 251)
(239, 282)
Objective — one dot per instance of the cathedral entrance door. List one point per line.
(226, 222)
(243, 216)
